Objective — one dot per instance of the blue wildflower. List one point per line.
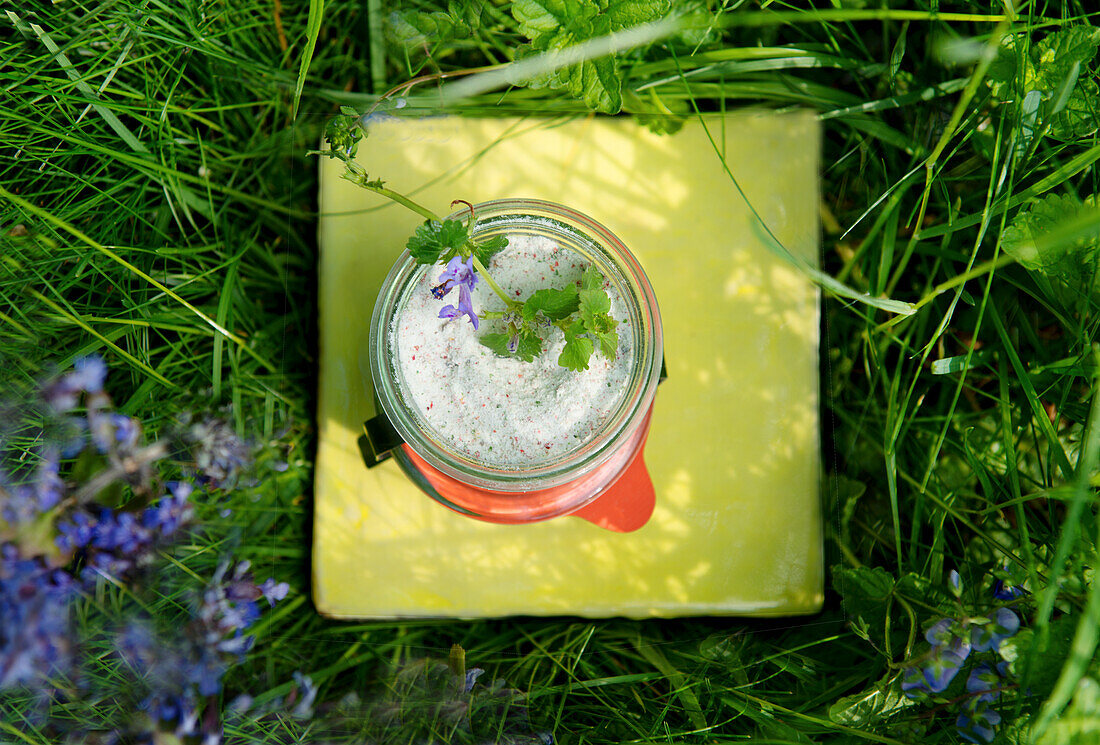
(220, 455)
(976, 724)
(184, 669)
(76, 532)
(171, 512)
(989, 635)
(985, 680)
(26, 502)
(471, 677)
(87, 376)
(948, 634)
(1003, 591)
(273, 591)
(116, 544)
(941, 669)
(113, 432)
(34, 619)
(913, 683)
(940, 633)
(458, 274)
(305, 694)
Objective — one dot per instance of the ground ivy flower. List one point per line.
(459, 274)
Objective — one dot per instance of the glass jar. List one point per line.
(557, 485)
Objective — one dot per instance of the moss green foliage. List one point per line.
(156, 207)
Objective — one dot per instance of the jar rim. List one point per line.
(534, 216)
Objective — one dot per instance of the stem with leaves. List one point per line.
(583, 315)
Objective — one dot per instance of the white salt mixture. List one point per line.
(503, 411)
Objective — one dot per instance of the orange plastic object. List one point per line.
(623, 505)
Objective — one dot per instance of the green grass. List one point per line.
(157, 207)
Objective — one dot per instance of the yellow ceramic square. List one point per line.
(733, 450)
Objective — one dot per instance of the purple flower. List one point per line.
(977, 726)
(26, 502)
(89, 373)
(75, 532)
(987, 636)
(460, 274)
(116, 544)
(273, 592)
(940, 634)
(114, 432)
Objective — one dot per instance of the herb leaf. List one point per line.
(529, 345)
(1046, 239)
(433, 239)
(556, 24)
(1022, 239)
(496, 342)
(871, 706)
(578, 350)
(485, 250)
(591, 279)
(609, 343)
(1056, 70)
(554, 304)
(414, 28)
(593, 303)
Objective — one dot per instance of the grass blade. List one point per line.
(313, 30)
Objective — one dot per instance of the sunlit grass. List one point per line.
(160, 210)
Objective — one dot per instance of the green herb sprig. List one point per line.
(582, 315)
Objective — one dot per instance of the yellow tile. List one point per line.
(733, 450)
